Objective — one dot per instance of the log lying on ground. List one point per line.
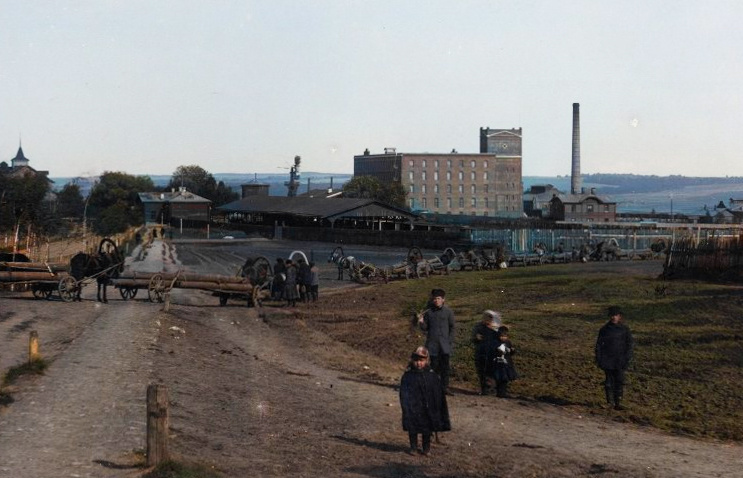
(25, 276)
(34, 266)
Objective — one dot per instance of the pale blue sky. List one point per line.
(243, 86)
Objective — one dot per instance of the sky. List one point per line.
(144, 86)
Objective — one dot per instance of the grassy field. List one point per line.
(687, 373)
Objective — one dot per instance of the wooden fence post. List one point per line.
(33, 346)
(157, 424)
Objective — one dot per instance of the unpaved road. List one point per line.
(256, 392)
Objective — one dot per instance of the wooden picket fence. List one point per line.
(718, 258)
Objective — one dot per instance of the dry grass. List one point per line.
(687, 375)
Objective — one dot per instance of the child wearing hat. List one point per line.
(424, 408)
(483, 338)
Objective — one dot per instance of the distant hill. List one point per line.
(633, 193)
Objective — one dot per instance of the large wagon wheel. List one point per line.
(298, 253)
(262, 270)
(156, 289)
(128, 293)
(68, 288)
(415, 255)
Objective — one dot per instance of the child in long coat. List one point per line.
(504, 370)
(424, 408)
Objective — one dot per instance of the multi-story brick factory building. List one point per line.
(484, 184)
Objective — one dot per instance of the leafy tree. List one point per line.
(200, 182)
(113, 203)
(370, 187)
(70, 201)
(21, 200)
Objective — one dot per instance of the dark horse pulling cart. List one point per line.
(100, 267)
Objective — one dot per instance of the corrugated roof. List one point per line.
(312, 207)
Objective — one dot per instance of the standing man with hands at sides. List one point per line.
(438, 323)
(614, 347)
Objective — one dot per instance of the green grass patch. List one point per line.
(687, 373)
(174, 469)
(35, 367)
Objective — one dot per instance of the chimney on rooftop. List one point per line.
(575, 179)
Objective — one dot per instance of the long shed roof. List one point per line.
(316, 207)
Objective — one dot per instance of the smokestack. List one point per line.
(575, 179)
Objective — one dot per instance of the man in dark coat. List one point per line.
(424, 408)
(613, 353)
(438, 323)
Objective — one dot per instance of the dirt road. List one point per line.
(256, 392)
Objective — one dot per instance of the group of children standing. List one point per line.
(493, 355)
(422, 394)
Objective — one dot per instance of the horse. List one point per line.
(103, 265)
(343, 262)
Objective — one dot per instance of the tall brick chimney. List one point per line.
(575, 180)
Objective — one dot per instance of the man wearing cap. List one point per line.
(438, 323)
(613, 353)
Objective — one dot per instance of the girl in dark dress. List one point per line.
(424, 409)
(504, 370)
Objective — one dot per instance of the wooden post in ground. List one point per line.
(33, 346)
(157, 424)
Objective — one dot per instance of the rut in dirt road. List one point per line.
(86, 415)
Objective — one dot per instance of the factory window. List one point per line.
(487, 188)
(472, 176)
(436, 164)
(412, 188)
(448, 175)
(487, 203)
(423, 163)
(412, 203)
(461, 176)
(461, 202)
(472, 163)
(485, 176)
(435, 175)
(473, 189)
(436, 188)
(410, 175)
(424, 203)
(436, 203)
(589, 207)
(448, 189)
(423, 175)
(461, 163)
(410, 163)
(485, 164)
(448, 203)
(473, 202)
(448, 163)
(423, 188)
(461, 189)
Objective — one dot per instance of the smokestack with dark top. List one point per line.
(575, 179)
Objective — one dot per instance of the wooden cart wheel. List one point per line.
(156, 289)
(128, 293)
(42, 293)
(67, 288)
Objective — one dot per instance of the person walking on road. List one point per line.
(438, 323)
(423, 403)
(614, 347)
